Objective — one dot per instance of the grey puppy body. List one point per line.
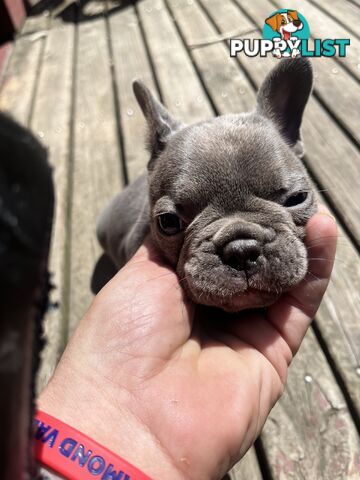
(226, 200)
(124, 223)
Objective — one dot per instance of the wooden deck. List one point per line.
(69, 79)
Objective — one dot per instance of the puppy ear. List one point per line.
(283, 95)
(293, 14)
(273, 21)
(160, 123)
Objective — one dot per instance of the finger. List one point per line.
(148, 251)
(147, 292)
(260, 334)
(292, 314)
(147, 264)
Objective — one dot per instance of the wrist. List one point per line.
(103, 415)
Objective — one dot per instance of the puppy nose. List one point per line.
(297, 23)
(241, 254)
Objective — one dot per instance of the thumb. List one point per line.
(292, 314)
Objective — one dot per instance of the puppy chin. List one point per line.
(249, 300)
(243, 300)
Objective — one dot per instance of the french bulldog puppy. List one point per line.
(226, 200)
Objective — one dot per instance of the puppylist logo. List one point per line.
(286, 33)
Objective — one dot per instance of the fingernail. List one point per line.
(323, 210)
(327, 214)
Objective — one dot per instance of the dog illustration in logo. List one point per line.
(286, 24)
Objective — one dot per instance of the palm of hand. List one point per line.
(201, 395)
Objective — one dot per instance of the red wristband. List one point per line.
(75, 456)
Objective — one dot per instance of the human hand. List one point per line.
(178, 397)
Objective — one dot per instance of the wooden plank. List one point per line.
(332, 81)
(329, 153)
(344, 13)
(338, 317)
(247, 469)
(5, 51)
(19, 79)
(51, 121)
(354, 2)
(36, 25)
(180, 86)
(228, 81)
(329, 149)
(309, 433)
(96, 159)
(125, 37)
(335, 162)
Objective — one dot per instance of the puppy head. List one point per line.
(229, 197)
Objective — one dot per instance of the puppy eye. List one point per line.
(170, 223)
(296, 199)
